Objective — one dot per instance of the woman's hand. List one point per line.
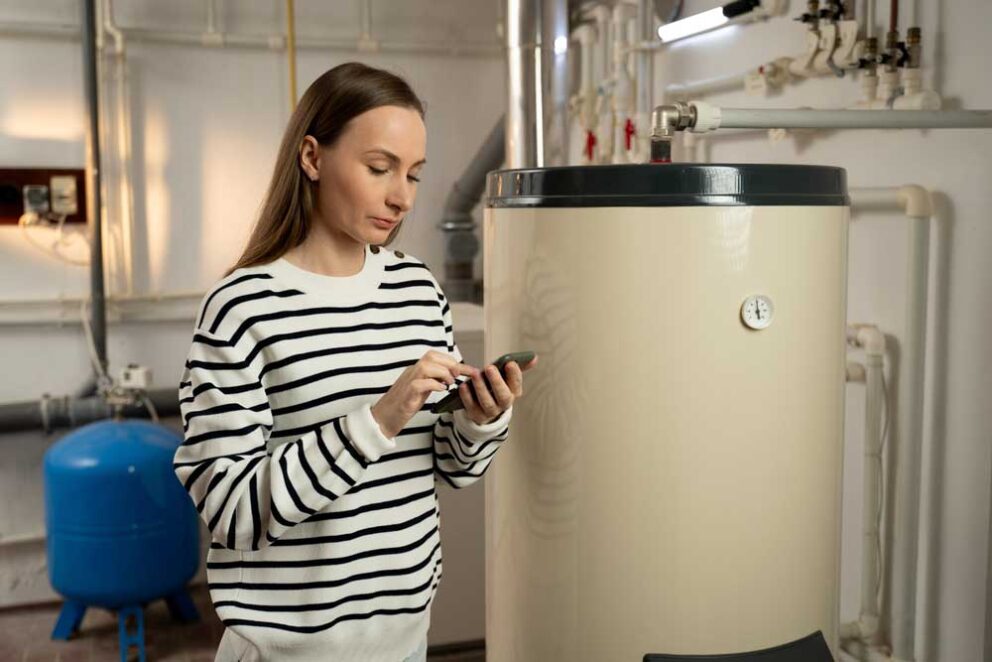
(435, 371)
(506, 391)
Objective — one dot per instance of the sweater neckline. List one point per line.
(364, 282)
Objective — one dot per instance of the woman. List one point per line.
(310, 449)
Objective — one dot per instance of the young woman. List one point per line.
(310, 449)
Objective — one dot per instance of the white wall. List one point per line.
(957, 166)
(206, 125)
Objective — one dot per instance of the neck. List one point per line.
(328, 252)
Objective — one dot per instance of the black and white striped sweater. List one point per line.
(325, 539)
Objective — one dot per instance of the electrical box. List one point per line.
(136, 377)
(50, 192)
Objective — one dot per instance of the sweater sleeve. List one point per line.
(248, 495)
(463, 450)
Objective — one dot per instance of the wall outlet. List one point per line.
(42, 190)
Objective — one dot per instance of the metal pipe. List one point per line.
(93, 189)
(51, 413)
(523, 130)
(461, 244)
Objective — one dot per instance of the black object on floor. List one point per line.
(808, 649)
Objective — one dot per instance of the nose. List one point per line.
(400, 197)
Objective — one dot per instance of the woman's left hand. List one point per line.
(488, 408)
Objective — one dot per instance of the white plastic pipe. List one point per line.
(916, 204)
(873, 342)
(274, 42)
(125, 201)
(710, 118)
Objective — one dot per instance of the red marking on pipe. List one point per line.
(629, 132)
(590, 144)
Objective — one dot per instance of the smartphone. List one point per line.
(453, 401)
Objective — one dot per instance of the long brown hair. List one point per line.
(331, 101)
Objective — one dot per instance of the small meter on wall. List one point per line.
(757, 311)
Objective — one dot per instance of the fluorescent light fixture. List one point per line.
(561, 45)
(707, 20)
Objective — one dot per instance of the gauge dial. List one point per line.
(757, 311)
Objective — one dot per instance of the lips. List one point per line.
(384, 221)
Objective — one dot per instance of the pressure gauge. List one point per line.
(757, 311)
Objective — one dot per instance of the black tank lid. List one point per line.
(668, 185)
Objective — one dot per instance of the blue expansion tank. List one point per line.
(122, 531)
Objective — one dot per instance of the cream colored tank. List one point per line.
(672, 480)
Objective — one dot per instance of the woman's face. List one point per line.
(368, 178)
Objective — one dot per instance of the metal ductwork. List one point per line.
(537, 34)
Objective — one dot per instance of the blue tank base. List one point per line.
(182, 608)
(70, 618)
(128, 638)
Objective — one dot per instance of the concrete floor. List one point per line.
(25, 636)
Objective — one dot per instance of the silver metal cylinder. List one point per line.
(523, 132)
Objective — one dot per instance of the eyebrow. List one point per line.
(392, 157)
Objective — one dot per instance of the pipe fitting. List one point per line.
(869, 337)
(916, 201)
(665, 121)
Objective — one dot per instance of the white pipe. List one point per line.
(274, 42)
(623, 86)
(873, 342)
(870, 20)
(644, 79)
(163, 307)
(604, 130)
(916, 204)
(125, 194)
(710, 118)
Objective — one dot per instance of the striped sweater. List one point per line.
(325, 533)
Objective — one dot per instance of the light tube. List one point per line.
(686, 27)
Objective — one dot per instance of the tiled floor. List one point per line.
(25, 636)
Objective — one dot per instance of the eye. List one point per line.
(377, 171)
(413, 179)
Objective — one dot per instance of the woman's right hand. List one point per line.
(435, 371)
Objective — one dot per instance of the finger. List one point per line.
(514, 378)
(460, 369)
(439, 372)
(425, 386)
(471, 407)
(531, 363)
(482, 395)
(504, 396)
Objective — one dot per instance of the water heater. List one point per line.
(671, 489)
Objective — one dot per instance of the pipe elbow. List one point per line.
(869, 337)
(916, 201)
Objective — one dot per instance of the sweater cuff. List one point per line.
(474, 432)
(365, 433)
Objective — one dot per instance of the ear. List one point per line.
(310, 157)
